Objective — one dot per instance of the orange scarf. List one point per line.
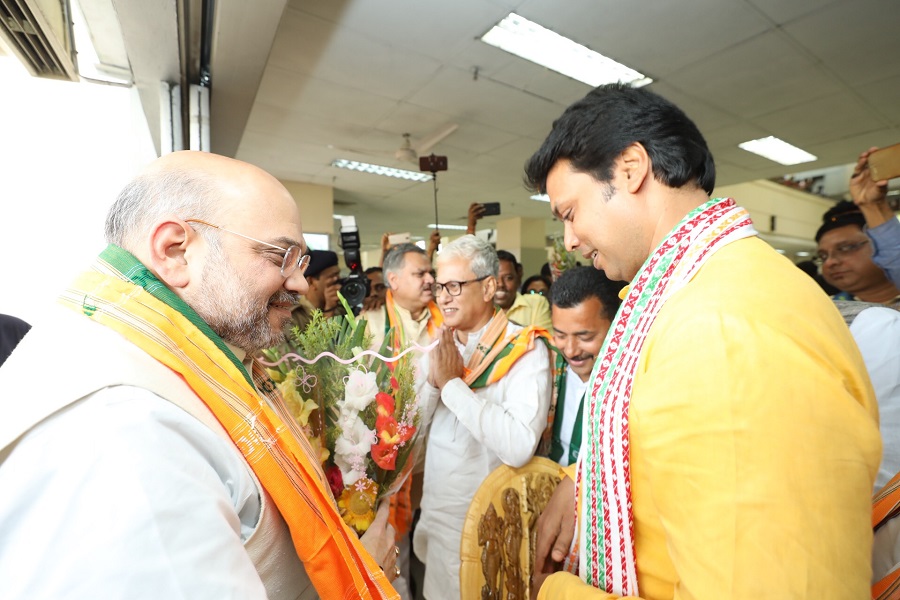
(398, 334)
(496, 353)
(886, 506)
(152, 317)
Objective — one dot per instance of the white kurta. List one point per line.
(472, 433)
(575, 388)
(122, 493)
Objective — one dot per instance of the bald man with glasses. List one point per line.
(486, 392)
(160, 461)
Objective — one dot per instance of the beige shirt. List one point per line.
(531, 309)
(416, 330)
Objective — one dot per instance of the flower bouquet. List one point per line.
(561, 259)
(358, 409)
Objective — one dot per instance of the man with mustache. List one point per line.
(730, 438)
(485, 389)
(409, 310)
(583, 303)
(160, 461)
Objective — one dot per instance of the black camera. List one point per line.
(355, 286)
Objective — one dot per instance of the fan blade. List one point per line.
(427, 142)
(363, 151)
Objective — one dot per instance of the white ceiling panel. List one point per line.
(360, 73)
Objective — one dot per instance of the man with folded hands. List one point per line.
(485, 390)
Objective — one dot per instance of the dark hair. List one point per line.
(534, 278)
(510, 257)
(371, 270)
(595, 130)
(841, 214)
(576, 285)
(546, 272)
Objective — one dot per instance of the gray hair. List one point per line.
(395, 259)
(481, 256)
(149, 197)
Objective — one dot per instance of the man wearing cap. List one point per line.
(845, 254)
(322, 278)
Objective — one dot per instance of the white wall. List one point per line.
(66, 149)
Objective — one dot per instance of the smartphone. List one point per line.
(885, 163)
(491, 208)
(398, 238)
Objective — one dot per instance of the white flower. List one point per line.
(351, 470)
(355, 439)
(360, 390)
(351, 448)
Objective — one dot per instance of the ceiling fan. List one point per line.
(409, 151)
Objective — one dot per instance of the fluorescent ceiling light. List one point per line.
(777, 150)
(443, 226)
(541, 197)
(517, 35)
(380, 170)
(804, 253)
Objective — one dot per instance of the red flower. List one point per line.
(335, 480)
(395, 385)
(391, 432)
(385, 455)
(384, 404)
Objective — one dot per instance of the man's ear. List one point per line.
(391, 280)
(635, 163)
(489, 289)
(169, 253)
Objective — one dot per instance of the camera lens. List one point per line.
(354, 291)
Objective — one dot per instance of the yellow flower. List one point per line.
(276, 375)
(297, 406)
(288, 389)
(319, 449)
(357, 504)
(306, 407)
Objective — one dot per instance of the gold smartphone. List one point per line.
(884, 163)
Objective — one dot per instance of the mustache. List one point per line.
(581, 357)
(284, 296)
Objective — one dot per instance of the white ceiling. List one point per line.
(823, 75)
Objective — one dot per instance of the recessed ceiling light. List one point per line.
(526, 39)
(804, 253)
(443, 226)
(777, 150)
(353, 165)
(541, 197)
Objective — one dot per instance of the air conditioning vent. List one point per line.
(39, 32)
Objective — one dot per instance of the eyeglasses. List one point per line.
(539, 292)
(840, 251)
(454, 288)
(292, 260)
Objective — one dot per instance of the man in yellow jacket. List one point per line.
(730, 439)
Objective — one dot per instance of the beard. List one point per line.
(227, 305)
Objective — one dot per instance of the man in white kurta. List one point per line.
(145, 427)
(472, 431)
